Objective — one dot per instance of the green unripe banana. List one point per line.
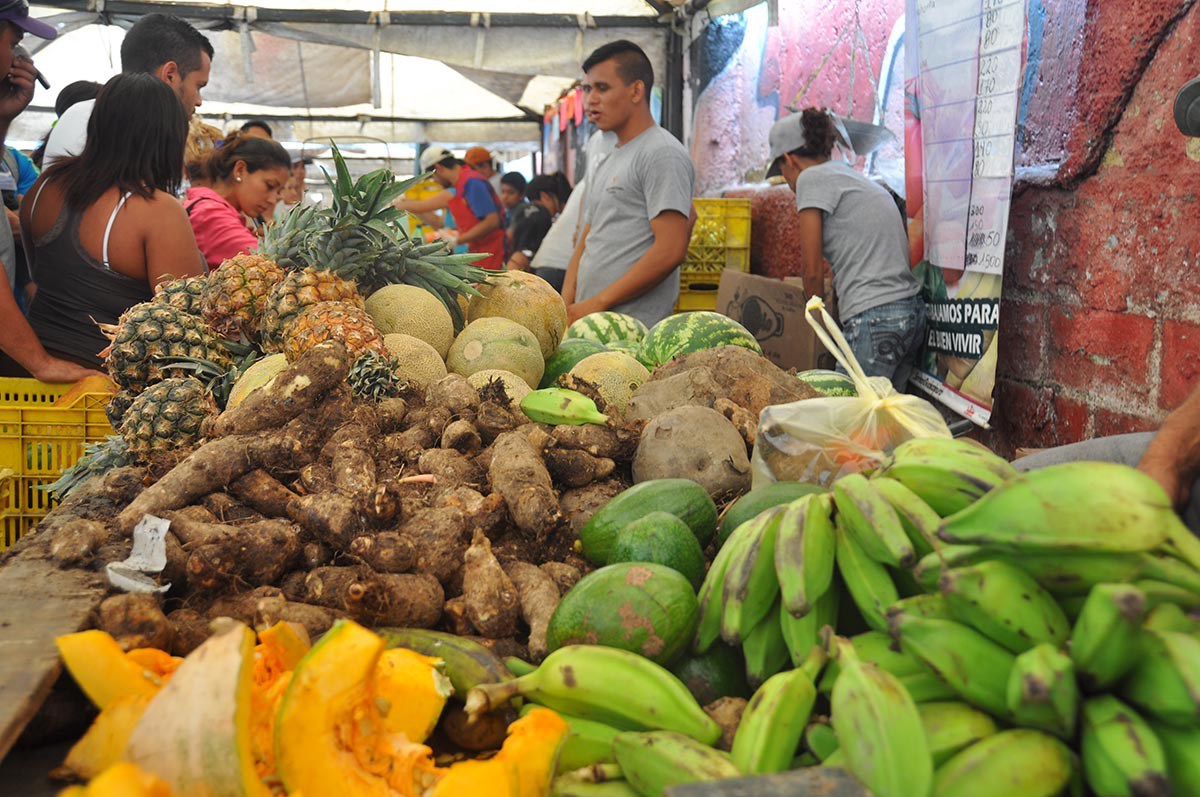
(1121, 753)
(1104, 641)
(1042, 692)
(1165, 682)
(872, 522)
(1005, 604)
(656, 760)
(971, 664)
(1017, 762)
(773, 724)
(951, 726)
(556, 405)
(804, 551)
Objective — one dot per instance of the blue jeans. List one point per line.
(886, 339)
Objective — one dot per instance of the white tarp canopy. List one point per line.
(473, 71)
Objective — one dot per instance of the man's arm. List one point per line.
(489, 223)
(1173, 456)
(571, 277)
(668, 251)
(518, 262)
(438, 201)
(812, 253)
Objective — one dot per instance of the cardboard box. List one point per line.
(773, 311)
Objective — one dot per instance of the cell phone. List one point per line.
(21, 54)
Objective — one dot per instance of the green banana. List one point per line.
(517, 666)
(566, 786)
(1042, 692)
(927, 605)
(919, 520)
(1169, 617)
(954, 450)
(1059, 573)
(820, 739)
(1165, 682)
(773, 724)
(870, 519)
(1121, 753)
(751, 586)
(801, 634)
(947, 485)
(878, 727)
(587, 742)
(952, 726)
(1020, 762)
(556, 405)
(1183, 765)
(656, 760)
(868, 582)
(971, 664)
(765, 649)
(468, 663)
(925, 687)
(1104, 641)
(1005, 604)
(711, 596)
(1075, 506)
(1160, 593)
(804, 551)
(607, 685)
(876, 648)
(1170, 570)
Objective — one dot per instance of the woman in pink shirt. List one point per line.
(245, 176)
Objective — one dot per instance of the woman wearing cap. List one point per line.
(474, 204)
(853, 223)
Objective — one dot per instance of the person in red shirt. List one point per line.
(245, 177)
(477, 211)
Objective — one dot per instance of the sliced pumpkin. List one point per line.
(157, 661)
(491, 778)
(287, 642)
(195, 734)
(532, 746)
(122, 779)
(279, 650)
(103, 671)
(106, 739)
(410, 692)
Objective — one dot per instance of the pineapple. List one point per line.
(149, 332)
(236, 295)
(373, 377)
(297, 291)
(340, 321)
(117, 406)
(183, 294)
(166, 417)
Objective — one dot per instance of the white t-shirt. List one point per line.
(69, 135)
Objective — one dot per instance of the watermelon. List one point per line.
(683, 498)
(607, 326)
(828, 383)
(664, 539)
(568, 353)
(684, 333)
(718, 672)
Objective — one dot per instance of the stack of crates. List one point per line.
(39, 440)
(720, 240)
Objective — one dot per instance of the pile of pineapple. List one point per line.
(177, 357)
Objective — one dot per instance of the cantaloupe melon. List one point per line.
(608, 378)
(527, 299)
(513, 386)
(409, 310)
(419, 364)
(497, 343)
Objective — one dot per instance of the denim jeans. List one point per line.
(886, 339)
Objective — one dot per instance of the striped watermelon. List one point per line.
(606, 327)
(684, 333)
(828, 383)
(564, 358)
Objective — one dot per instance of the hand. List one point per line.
(52, 369)
(449, 236)
(578, 310)
(16, 92)
(1167, 474)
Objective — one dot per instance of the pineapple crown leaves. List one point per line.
(373, 376)
(219, 381)
(98, 458)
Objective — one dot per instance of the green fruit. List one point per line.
(759, 499)
(682, 498)
(606, 327)
(489, 343)
(684, 333)
(718, 672)
(569, 352)
(828, 383)
(645, 608)
(664, 539)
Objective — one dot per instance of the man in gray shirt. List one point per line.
(636, 213)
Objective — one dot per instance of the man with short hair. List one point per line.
(636, 213)
(480, 159)
(512, 189)
(531, 222)
(257, 128)
(159, 44)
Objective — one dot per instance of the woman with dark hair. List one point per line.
(244, 177)
(852, 222)
(103, 227)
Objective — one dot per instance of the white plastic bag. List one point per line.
(818, 440)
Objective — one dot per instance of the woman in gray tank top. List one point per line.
(104, 227)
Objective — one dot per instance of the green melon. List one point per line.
(684, 333)
(527, 299)
(568, 353)
(644, 608)
(759, 500)
(682, 498)
(606, 327)
(828, 383)
(718, 672)
(609, 378)
(664, 539)
(498, 343)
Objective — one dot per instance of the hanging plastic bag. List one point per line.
(818, 440)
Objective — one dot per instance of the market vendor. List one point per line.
(851, 222)
(475, 206)
(245, 177)
(480, 159)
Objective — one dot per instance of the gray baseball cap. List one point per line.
(787, 135)
(1187, 108)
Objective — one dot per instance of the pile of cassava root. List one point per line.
(449, 509)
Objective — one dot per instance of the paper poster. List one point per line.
(964, 64)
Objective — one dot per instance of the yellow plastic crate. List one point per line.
(37, 442)
(721, 236)
(698, 291)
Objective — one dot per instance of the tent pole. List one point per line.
(673, 85)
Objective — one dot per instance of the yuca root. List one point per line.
(455, 394)
(562, 574)
(441, 534)
(189, 631)
(135, 620)
(274, 609)
(575, 468)
(75, 540)
(493, 420)
(243, 606)
(257, 554)
(449, 466)
(315, 554)
(409, 444)
(228, 509)
(353, 472)
(390, 414)
(386, 552)
(326, 586)
(264, 492)
(296, 389)
(492, 602)
(539, 598)
(411, 600)
(599, 441)
(329, 517)
(462, 437)
(518, 474)
(122, 485)
(742, 419)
